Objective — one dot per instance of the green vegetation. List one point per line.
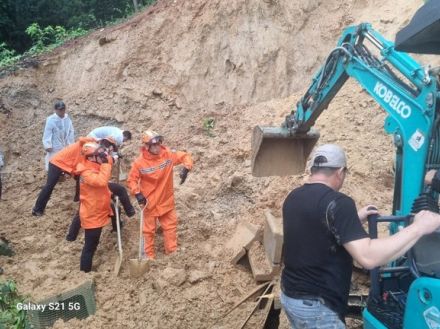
(7, 56)
(10, 316)
(208, 126)
(42, 40)
(29, 27)
(50, 37)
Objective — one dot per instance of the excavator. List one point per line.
(405, 294)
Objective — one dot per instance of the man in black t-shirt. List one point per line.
(323, 233)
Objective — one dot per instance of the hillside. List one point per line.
(170, 68)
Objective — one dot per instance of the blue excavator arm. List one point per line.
(402, 87)
(406, 295)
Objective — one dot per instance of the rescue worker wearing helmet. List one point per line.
(109, 144)
(151, 181)
(65, 161)
(95, 210)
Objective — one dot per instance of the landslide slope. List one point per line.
(171, 68)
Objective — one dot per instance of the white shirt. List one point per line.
(108, 131)
(58, 132)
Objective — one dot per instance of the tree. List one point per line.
(17, 15)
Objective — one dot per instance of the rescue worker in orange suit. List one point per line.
(65, 162)
(95, 210)
(151, 181)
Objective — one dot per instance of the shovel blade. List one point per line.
(118, 264)
(277, 153)
(123, 176)
(138, 267)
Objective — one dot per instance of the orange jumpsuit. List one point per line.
(152, 175)
(95, 209)
(68, 158)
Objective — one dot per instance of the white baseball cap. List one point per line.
(329, 156)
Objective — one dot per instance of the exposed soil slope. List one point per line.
(241, 63)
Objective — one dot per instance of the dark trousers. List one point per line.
(91, 241)
(74, 228)
(53, 175)
(0, 186)
(75, 225)
(121, 192)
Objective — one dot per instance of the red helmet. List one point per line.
(108, 141)
(151, 137)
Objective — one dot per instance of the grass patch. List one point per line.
(10, 316)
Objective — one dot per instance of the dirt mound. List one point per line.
(171, 68)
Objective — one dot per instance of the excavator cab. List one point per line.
(278, 152)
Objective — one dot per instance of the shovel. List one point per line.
(120, 174)
(139, 266)
(118, 230)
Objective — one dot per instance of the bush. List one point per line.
(50, 37)
(10, 316)
(7, 56)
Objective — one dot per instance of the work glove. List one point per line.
(141, 199)
(183, 174)
(115, 156)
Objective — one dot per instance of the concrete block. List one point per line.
(262, 269)
(273, 237)
(242, 239)
(238, 254)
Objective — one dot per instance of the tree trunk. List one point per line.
(136, 5)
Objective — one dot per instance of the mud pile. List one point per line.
(172, 68)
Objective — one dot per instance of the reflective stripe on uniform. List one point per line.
(153, 169)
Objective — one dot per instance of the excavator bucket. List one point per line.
(275, 152)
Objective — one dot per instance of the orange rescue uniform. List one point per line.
(152, 175)
(68, 158)
(95, 209)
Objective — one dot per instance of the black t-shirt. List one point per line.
(317, 222)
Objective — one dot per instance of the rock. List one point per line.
(174, 276)
(159, 284)
(196, 276)
(143, 297)
(215, 215)
(215, 178)
(236, 180)
(178, 103)
(212, 265)
(119, 117)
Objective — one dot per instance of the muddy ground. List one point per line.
(173, 68)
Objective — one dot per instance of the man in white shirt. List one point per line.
(120, 136)
(58, 132)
